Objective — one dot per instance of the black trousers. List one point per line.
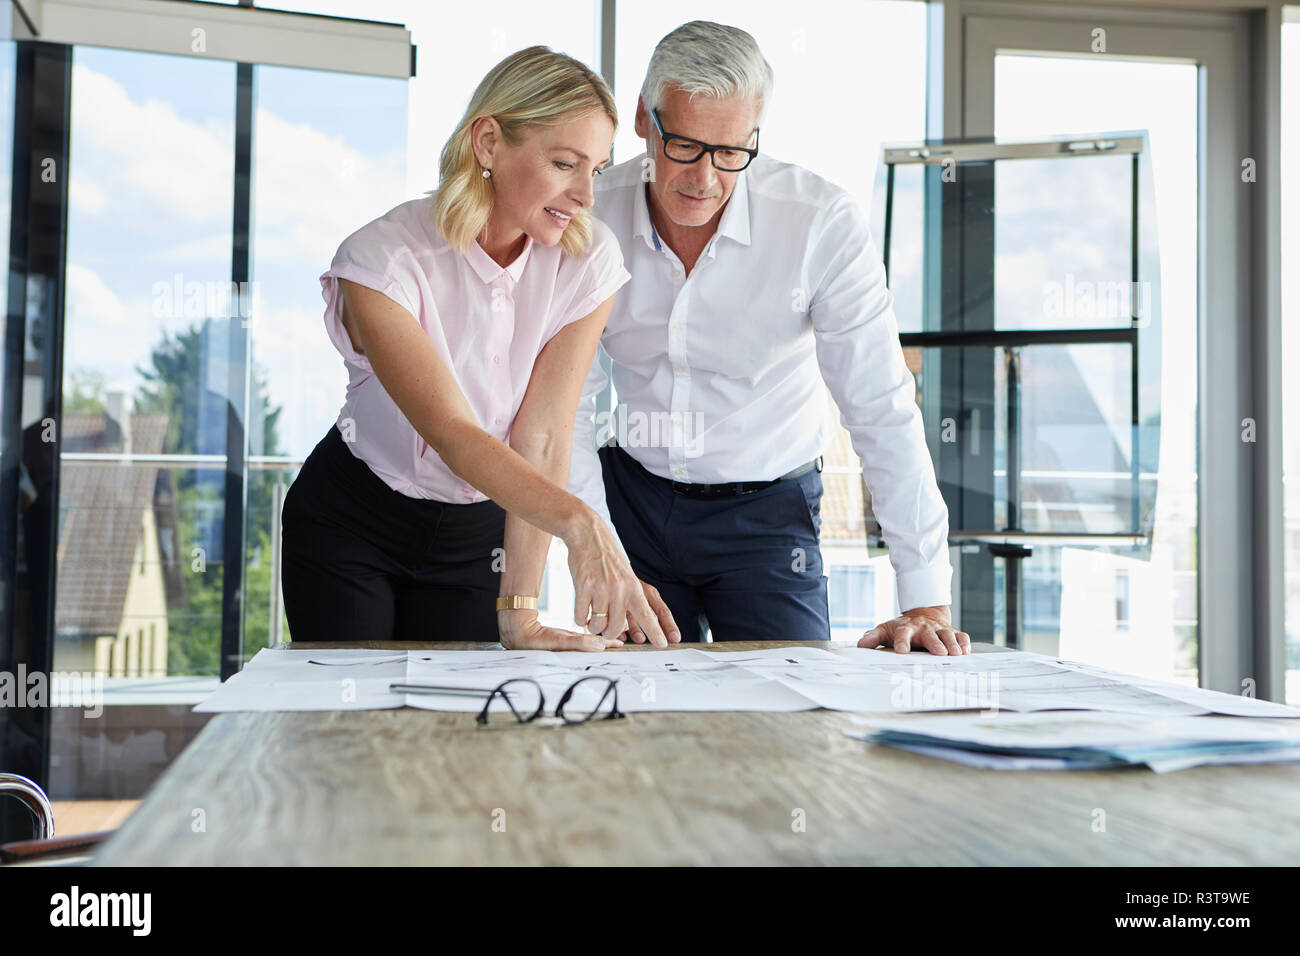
(362, 562)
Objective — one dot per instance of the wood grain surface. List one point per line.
(414, 787)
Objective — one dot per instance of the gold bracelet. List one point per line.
(516, 601)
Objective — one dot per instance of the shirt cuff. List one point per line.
(333, 296)
(925, 587)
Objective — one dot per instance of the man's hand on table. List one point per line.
(928, 628)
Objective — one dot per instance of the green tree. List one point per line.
(84, 392)
(173, 385)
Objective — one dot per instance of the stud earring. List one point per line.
(487, 174)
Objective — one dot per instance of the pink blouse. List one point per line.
(488, 324)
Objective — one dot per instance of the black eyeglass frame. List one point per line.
(611, 688)
(666, 138)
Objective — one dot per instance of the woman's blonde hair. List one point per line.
(534, 87)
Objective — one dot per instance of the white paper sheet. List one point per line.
(311, 680)
(1212, 701)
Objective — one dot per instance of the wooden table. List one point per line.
(410, 786)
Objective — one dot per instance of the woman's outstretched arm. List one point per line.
(543, 436)
(420, 383)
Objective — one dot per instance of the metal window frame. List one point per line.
(608, 51)
(235, 500)
(37, 271)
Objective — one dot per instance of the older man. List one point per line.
(752, 280)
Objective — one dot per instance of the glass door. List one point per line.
(1155, 614)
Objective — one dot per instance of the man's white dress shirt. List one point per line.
(719, 373)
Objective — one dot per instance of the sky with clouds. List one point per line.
(151, 198)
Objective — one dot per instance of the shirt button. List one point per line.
(677, 472)
(500, 420)
(681, 368)
(677, 273)
(496, 359)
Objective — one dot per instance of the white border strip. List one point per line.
(218, 32)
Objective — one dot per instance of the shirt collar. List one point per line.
(734, 223)
(735, 218)
(641, 224)
(489, 271)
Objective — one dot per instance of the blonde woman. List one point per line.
(467, 322)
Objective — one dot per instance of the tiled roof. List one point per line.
(101, 509)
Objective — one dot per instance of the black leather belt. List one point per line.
(732, 489)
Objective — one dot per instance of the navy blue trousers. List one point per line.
(747, 568)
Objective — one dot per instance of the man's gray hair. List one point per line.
(702, 57)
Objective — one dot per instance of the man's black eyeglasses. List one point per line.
(683, 149)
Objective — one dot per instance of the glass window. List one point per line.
(1291, 346)
(1122, 580)
(456, 44)
(1076, 441)
(851, 594)
(906, 246)
(329, 156)
(1044, 96)
(1062, 256)
(142, 456)
(1074, 473)
(152, 329)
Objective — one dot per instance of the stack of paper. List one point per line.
(1065, 740)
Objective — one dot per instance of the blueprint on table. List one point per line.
(773, 679)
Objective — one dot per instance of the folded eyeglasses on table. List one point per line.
(524, 691)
